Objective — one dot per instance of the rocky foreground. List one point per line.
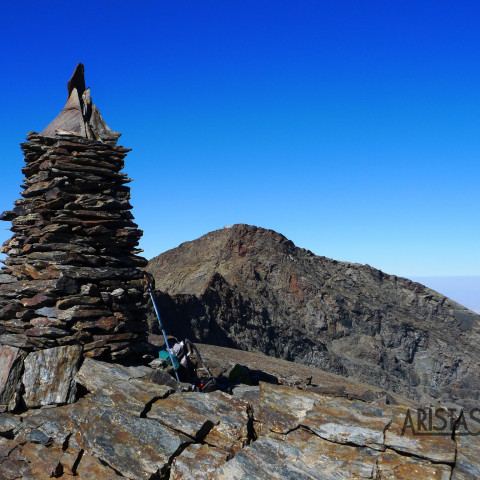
(129, 423)
(251, 288)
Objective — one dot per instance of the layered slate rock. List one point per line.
(72, 273)
(11, 367)
(49, 376)
(309, 435)
(130, 387)
(289, 432)
(251, 288)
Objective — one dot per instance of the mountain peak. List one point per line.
(251, 288)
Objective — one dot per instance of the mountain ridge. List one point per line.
(251, 288)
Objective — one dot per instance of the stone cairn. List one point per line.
(71, 285)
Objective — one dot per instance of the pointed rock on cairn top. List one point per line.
(80, 117)
(71, 285)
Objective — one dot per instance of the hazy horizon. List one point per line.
(464, 289)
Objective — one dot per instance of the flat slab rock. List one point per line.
(216, 418)
(305, 456)
(133, 447)
(126, 426)
(350, 422)
(124, 386)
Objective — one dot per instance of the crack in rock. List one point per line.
(251, 433)
(166, 469)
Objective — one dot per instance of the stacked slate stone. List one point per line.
(72, 274)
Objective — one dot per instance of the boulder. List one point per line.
(49, 375)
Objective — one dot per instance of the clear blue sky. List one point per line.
(350, 127)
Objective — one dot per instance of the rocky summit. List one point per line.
(126, 423)
(251, 288)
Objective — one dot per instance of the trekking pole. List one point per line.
(150, 284)
(199, 358)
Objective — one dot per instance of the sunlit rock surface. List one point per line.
(124, 425)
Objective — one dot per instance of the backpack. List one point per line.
(187, 361)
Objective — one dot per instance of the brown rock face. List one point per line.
(127, 426)
(11, 362)
(72, 274)
(251, 288)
